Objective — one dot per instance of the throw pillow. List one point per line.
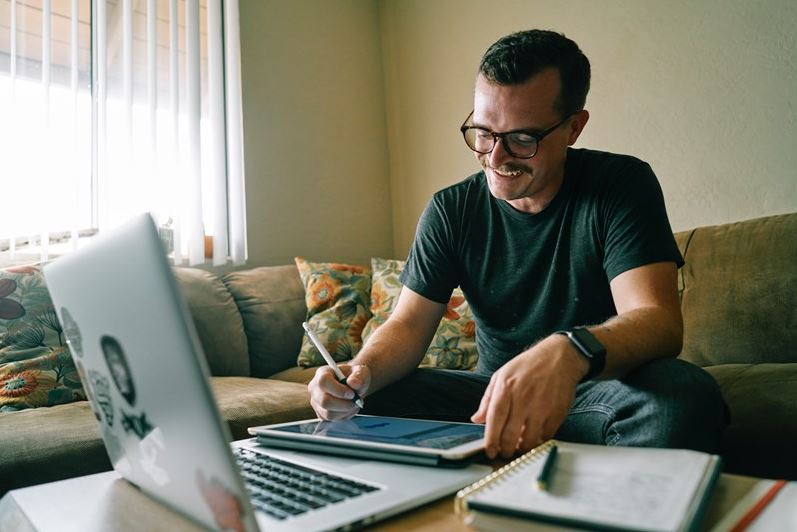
(337, 298)
(36, 368)
(454, 343)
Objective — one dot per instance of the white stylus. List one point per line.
(357, 400)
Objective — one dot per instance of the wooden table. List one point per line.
(116, 505)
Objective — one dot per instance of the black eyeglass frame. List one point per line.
(537, 136)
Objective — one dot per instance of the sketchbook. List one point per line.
(596, 488)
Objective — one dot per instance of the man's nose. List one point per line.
(499, 156)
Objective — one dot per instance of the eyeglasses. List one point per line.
(519, 143)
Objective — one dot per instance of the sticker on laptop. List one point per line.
(137, 424)
(72, 333)
(84, 379)
(119, 368)
(150, 450)
(102, 392)
(227, 510)
(116, 452)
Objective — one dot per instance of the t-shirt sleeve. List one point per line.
(636, 228)
(431, 269)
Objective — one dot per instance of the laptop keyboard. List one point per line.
(282, 489)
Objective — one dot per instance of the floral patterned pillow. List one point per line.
(36, 368)
(454, 343)
(337, 298)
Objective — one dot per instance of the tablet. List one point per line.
(380, 437)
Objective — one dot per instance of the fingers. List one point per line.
(480, 415)
(330, 399)
(530, 436)
(498, 411)
(508, 424)
(506, 429)
(358, 378)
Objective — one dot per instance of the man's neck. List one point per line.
(537, 203)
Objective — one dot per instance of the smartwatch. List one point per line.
(590, 347)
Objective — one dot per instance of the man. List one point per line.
(568, 262)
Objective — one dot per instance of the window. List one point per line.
(116, 107)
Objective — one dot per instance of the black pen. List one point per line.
(544, 478)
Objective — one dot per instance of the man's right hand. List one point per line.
(332, 400)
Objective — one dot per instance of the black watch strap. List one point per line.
(590, 347)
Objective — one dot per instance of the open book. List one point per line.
(595, 487)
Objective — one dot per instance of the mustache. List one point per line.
(507, 168)
(504, 168)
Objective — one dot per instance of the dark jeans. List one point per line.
(664, 403)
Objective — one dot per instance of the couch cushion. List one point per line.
(218, 322)
(760, 439)
(337, 298)
(739, 292)
(247, 402)
(48, 444)
(271, 302)
(454, 342)
(296, 374)
(36, 368)
(63, 441)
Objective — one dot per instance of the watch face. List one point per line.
(586, 339)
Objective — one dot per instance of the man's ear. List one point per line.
(577, 125)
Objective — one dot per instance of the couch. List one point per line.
(739, 299)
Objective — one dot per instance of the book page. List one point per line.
(641, 488)
(779, 514)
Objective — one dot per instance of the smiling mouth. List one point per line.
(506, 174)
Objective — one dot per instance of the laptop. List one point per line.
(139, 357)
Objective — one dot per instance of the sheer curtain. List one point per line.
(150, 121)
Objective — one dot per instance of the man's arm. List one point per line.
(398, 346)
(393, 351)
(648, 325)
(529, 397)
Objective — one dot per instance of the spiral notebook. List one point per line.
(596, 488)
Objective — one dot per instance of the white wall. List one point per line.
(317, 180)
(702, 90)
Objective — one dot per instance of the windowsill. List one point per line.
(27, 258)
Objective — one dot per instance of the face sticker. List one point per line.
(138, 425)
(115, 451)
(81, 371)
(150, 449)
(227, 510)
(102, 392)
(120, 370)
(73, 338)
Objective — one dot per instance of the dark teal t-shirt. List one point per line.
(528, 275)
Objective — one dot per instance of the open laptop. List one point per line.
(135, 346)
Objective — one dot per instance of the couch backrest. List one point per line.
(739, 291)
(738, 297)
(218, 322)
(271, 302)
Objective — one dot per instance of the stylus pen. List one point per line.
(544, 478)
(357, 400)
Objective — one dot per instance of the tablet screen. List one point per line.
(397, 431)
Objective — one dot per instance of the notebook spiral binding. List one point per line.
(460, 502)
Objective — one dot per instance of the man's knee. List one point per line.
(683, 404)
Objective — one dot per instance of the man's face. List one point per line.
(527, 184)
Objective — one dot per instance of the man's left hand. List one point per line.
(529, 397)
